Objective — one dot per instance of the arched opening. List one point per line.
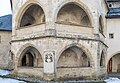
(73, 57)
(101, 27)
(114, 64)
(27, 60)
(73, 14)
(102, 59)
(72, 62)
(30, 57)
(32, 16)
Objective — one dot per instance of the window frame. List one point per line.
(111, 35)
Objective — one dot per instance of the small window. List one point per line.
(110, 5)
(111, 36)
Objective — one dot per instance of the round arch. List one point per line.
(78, 3)
(24, 7)
(113, 54)
(85, 50)
(24, 49)
(113, 63)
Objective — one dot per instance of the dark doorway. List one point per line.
(28, 60)
(109, 66)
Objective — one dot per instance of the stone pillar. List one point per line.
(49, 67)
(27, 59)
(50, 24)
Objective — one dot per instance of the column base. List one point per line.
(49, 77)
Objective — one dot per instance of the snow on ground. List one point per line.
(8, 80)
(4, 72)
(112, 80)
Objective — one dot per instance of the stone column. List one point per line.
(27, 59)
(50, 24)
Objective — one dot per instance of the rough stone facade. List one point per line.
(59, 38)
(5, 38)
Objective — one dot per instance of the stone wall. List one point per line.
(5, 39)
(113, 28)
(30, 72)
(81, 73)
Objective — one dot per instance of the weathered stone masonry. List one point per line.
(62, 40)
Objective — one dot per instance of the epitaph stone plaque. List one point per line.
(49, 62)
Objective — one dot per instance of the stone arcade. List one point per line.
(55, 39)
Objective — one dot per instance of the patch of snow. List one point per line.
(112, 80)
(8, 80)
(4, 72)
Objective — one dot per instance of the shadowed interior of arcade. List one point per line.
(114, 64)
